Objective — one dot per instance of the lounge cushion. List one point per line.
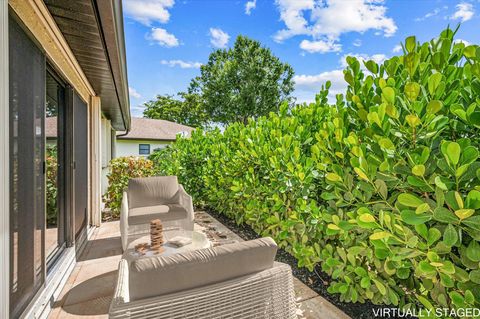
(152, 191)
(143, 215)
(155, 276)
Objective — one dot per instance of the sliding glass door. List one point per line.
(27, 182)
(55, 165)
(48, 168)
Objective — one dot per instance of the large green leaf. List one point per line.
(409, 200)
(475, 276)
(473, 251)
(412, 218)
(444, 215)
(410, 44)
(452, 153)
(412, 89)
(434, 106)
(388, 94)
(450, 235)
(433, 83)
(473, 199)
(473, 222)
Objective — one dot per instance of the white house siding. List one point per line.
(127, 147)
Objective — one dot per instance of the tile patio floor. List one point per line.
(89, 289)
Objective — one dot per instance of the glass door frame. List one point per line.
(62, 167)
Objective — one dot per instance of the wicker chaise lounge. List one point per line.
(149, 198)
(239, 280)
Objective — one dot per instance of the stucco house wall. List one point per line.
(131, 147)
(153, 132)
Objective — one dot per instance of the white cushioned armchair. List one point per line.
(240, 280)
(149, 198)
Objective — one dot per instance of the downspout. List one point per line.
(123, 134)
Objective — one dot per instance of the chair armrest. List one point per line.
(185, 200)
(121, 294)
(124, 220)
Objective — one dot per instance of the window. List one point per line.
(144, 149)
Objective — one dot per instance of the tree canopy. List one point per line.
(186, 109)
(241, 82)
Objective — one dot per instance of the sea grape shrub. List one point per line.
(381, 189)
(120, 171)
(187, 160)
(414, 156)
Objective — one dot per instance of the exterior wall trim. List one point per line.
(4, 165)
(36, 17)
(96, 159)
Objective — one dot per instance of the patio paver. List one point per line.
(89, 289)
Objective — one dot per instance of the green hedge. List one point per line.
(121, 169)
(381, 189)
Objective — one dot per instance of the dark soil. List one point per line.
(316, 280)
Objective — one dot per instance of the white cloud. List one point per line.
(378, 58)
(163, 38)
(320, 46)
(306, 86)
(133, 93)
(464, 12)
(397, 48)
(465, 42)
(137, 110)
(357, 43)
(182, 64)
(218, 38)
(249, 6)
(303, 81)
(291, 13)
(354, 15)
(148, 11)
(430, 14)
(329, 19)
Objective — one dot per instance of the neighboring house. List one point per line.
(147, 135)
(61, 62)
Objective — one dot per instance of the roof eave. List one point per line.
(96, 27)
(111, 24)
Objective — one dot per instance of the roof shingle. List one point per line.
(141, 129)
(152, 129)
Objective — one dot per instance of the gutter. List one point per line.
(120, 83)
(123, 134)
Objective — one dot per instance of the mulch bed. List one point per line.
(316, 280)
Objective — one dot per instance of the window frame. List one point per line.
(142, 152)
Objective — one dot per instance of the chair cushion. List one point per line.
(152, 191)
(143, 215)
(155, 276)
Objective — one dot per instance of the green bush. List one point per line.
(381, 189)
(51, 185)
(187, 161)
(121, 170)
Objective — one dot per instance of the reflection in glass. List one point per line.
(53, 112)
(27, 214)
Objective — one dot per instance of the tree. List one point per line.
(244, 81)
(186, 110)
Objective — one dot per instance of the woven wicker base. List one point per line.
(268, 294)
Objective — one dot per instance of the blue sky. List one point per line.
(168, 40)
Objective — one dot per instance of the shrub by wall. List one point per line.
(382, 189)
(121, 170)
